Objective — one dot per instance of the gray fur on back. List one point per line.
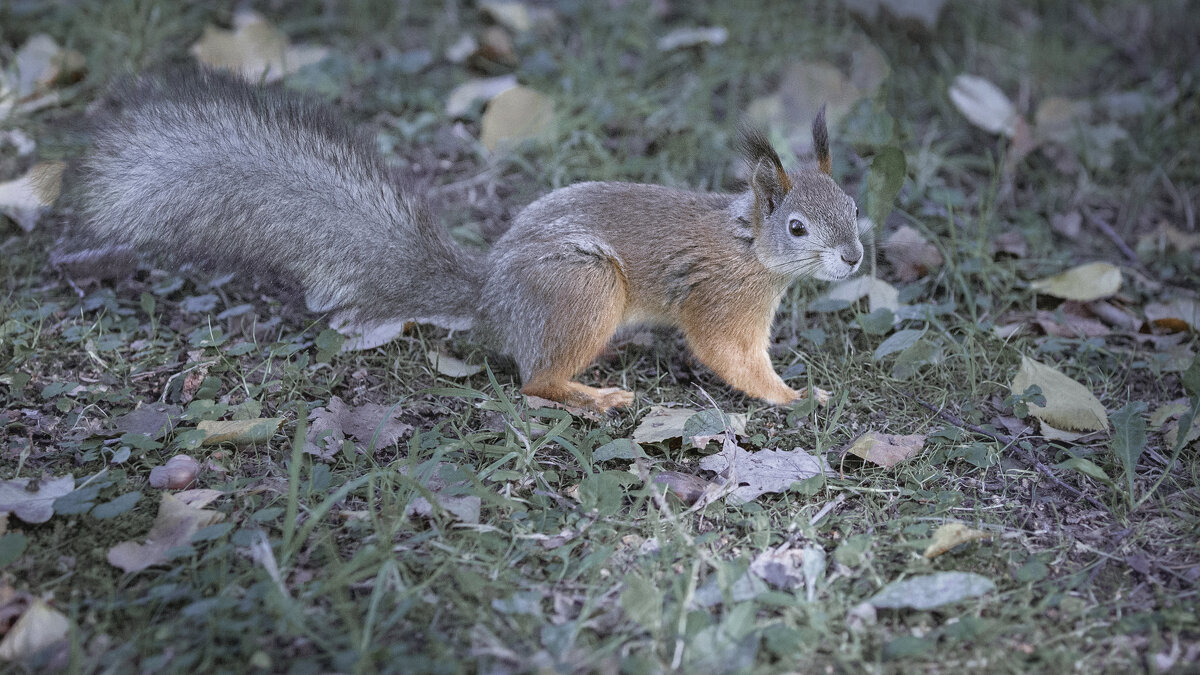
(203, 166)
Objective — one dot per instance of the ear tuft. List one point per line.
(821, 143)
(757, 150)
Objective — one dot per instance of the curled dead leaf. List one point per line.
(950, 535)
(1069, 405)
(911, 254)
(176, 473)
(175, 524)
(38, 629)
(239, 432)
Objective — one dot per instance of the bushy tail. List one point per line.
(204, 166)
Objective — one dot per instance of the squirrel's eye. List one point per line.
(797, 228)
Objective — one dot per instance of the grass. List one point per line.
(574, 564)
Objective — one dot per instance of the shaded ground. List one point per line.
(572, 563)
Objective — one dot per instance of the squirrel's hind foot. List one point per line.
(574, 394)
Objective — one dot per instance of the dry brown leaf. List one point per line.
(756, 473)
(685, 486)
(662, 424)
(887, 450)
(464, 508)
(1070, 406)
(517, 114)
(359, 423)
(911, 254)
(174, 526)
(35, 506)
(1092, 281)
(254, 48)
(950, 535)
(1176, 315)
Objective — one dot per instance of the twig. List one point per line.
(1112, 234)
(1008, 441)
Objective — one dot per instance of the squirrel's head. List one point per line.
(803, 224)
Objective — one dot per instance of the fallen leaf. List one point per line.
(465, 95)
(39, 627)
(911, 254)
(24, 198)
(950, 535)
(1059, 119)
(1069, 405)
(440, 481)
(515, 16)
(153, 420)
(688, 488)
(880, 294)
(1092, 281)
(359, 423)
(175, 474)
(254, 48)
(362, 336)
(756, 473)
(450, 366)
(681, 38)
(239, 432)
(174, 526)
(1067, 224)
(39, 63)
(1011, 243)
(808, 85)
(1175, 315)
(36, 506)
(887, 450)
(662, 424)
(515, 115)
(929, 591)
(984, 105)
(1166, 237)
(781, 569)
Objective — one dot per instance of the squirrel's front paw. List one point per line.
(822, 397)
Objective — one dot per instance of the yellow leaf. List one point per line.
(254, 48)
(1069, 405)
(1083, 283)
(175, 524)
(984, 105)
(950, 535)
(450, 366)
(39, 627)
(239, 432)
(887, 450)
(517, 114)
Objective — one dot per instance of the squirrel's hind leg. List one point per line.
(576, 302)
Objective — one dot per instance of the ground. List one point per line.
(479, 534)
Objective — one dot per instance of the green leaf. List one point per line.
(888, 169)
(12, 545)
(622, 448)
(1191, 377)
(878, 322)
(1129, 438)
(117, 506)
(642, 602)
(898, 342)
(1087, 468)
(932, 590)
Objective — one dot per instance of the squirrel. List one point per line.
(204, 165)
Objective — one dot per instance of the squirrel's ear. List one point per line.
(821, 143)
(767, 190)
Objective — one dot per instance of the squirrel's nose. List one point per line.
(851, 258)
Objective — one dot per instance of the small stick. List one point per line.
(1112, 234)
(1008, 441)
